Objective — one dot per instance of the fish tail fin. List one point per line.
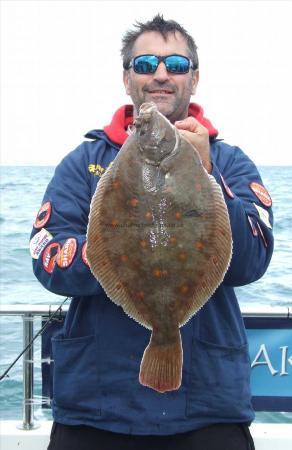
(161, 366)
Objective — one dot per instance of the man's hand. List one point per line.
(198, 136)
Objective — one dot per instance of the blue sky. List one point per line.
(61, 73)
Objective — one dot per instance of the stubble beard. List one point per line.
(169, 110)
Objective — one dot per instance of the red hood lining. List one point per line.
(123, 117)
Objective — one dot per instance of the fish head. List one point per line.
(156, 136)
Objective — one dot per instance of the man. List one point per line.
(98, 402)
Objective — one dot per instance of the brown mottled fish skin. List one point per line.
(159, 239)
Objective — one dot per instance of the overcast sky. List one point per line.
(61, 72)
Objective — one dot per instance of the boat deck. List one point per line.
(267, 436)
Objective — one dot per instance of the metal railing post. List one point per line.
(28, 366)
(28, 312)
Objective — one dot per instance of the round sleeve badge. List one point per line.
(43, 215)
(67, 253)
(50, 255)
(39, 241)
(261, 193)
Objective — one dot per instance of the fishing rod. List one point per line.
(39, 333)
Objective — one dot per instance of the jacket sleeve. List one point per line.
(58, 237)
(250, 213)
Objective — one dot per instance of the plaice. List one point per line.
(158, 239)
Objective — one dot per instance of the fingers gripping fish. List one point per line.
(159, 239)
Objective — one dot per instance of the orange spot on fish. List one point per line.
(143, 244)
(140, 295)
(184, 289)
(215, 260)
(124, 258)
(199, 245)
(182, 256)
(178, 215)
(134, 202)
(95, 239)
(114, 223)
(173, 240)
(116, 184)
(158, 273)
(148, 215)
(222, 232)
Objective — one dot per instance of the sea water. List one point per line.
(22, 190)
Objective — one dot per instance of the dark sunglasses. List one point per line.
(145, 64)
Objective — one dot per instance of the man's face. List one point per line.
(171, 92)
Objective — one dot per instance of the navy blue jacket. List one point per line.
(97, 356)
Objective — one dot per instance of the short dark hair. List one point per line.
(164, 27)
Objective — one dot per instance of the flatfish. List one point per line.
(158, 239)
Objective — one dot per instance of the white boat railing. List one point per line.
(29, 312)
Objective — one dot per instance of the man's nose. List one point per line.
(161, 73)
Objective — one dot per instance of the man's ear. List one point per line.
(126, 81)
(195, 81)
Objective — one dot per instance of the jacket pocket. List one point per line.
(75, 373)
(219, 381)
